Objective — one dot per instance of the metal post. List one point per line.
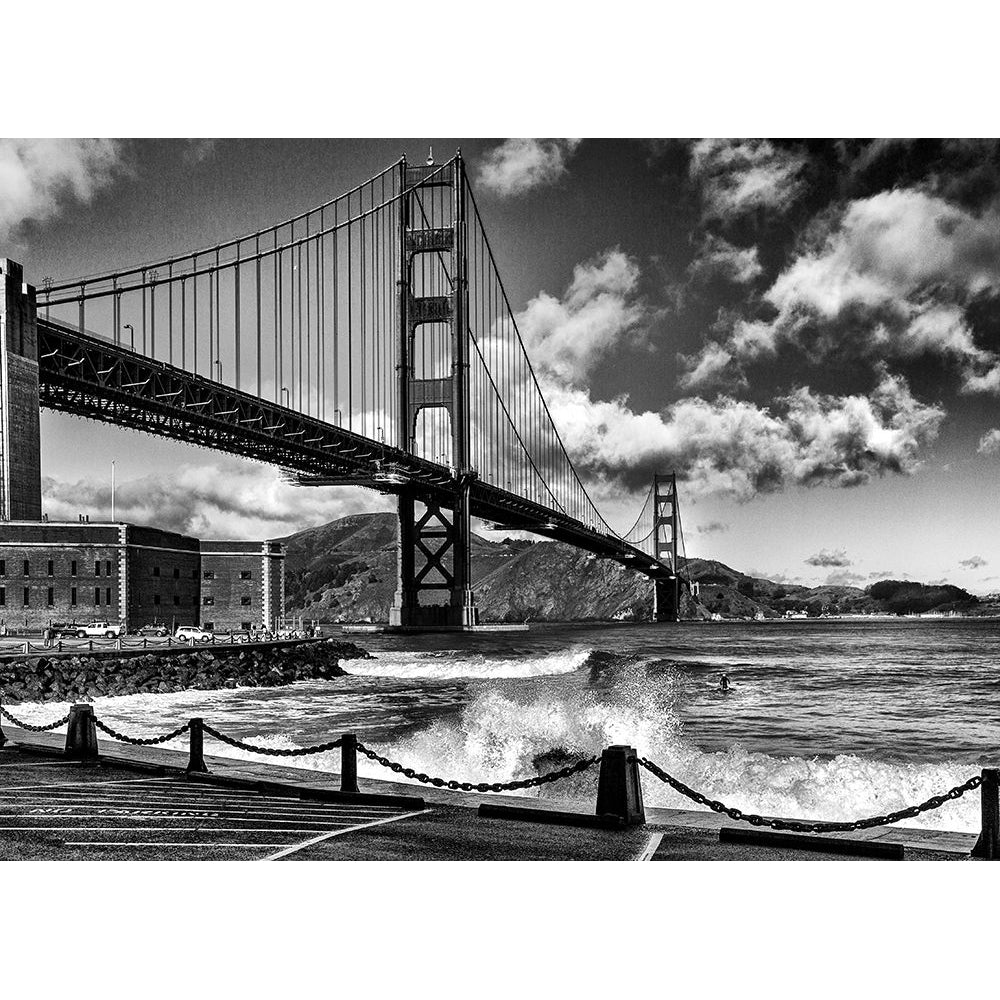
(3, 738)
(619, 791)
(196, 755)
(81, 733)
(988, 845)
(349, 763)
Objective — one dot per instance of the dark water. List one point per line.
(830, 719)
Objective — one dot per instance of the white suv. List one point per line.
(192, 633)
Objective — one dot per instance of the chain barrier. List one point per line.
(818, 826)
(33, 729)
(270, 751)
(483, 786)
(135, 741)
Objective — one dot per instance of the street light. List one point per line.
(218, 365)
(288, 396)
(131, 330)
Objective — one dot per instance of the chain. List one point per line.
(269, 751)
(819, 826)
(152, 741)
(483, 786)
(30, 728)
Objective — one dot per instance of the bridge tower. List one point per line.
(20, 442)
(666, 589)
(441, 537)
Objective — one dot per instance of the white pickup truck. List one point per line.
(98, 630)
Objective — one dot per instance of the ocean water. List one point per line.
(825, 719)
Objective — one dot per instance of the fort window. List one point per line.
(51, 596)
(208, 626)
(3, 597)
(27, 596)
(107, 567)
(97, 567)
(209, 574)
(177, 600)
(208, 600)
(97, 597)
(52, 568)
(3, 567)
(244, 601)
(27, 568)
(177, 573)
(72, 568)
(72, 596)
(156, 571)
(245, 625)
(107, 596)
(156, 598)
(245, 574)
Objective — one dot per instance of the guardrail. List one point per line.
(146, 642)
(619, 792)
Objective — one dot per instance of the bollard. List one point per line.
(196, 756)
(619, 791)
(349, 763)
(988, 845)
(81, 733)
(60, 646)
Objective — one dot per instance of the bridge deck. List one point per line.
(143, 807)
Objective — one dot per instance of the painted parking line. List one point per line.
(178, 817)
(651, 847)
(164, 843)
(83, 784)
(338, 833)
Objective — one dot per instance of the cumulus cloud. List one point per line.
(842, 578)
(828, 557)
(37, 176)
(718, 258)
(601, 309)
(737, 448)
(520, 165)
(974, 562)
(891, 275)
(712, 527)
(224, 499)
(712, 365)
(989, 443)
(738, 176)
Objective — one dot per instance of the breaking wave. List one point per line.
(455, 664)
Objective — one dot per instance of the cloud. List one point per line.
(891, 275)
(989, 443)
(37, 176)
(845, 578)
(738, 176)
(600, 310)
(718, 258)
(711, 365)
(974, 562)
(520, 165)
(712, 527)
(826, 557)
(736, 448)
(224, 499)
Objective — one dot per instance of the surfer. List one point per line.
(723, 682)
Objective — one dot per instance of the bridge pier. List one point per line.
(666, 590)
(20, 441)
(434, 551)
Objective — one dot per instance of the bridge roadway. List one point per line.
(143, 807)
(92, 377)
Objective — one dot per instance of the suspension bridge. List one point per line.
(367, 342)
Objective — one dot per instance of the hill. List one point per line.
(345, 571)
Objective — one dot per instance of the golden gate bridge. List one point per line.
(367, 342)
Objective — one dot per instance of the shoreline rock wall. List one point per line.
(87, 676)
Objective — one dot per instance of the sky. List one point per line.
(805, 331)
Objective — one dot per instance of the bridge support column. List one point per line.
(20, 442)
(667, 590)
(435, 549)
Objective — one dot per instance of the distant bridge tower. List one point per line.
(666, 535)
(20, 443)
(433, 240)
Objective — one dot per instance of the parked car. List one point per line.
(159, 630)
(98, 630)
(192, 633)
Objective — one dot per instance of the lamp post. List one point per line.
(112, 490)
(287, 395)
(131, 330)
